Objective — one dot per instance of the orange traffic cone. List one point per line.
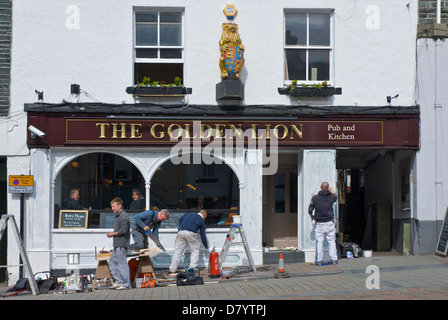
(281, 272)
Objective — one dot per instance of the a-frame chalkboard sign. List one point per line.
(442, 244)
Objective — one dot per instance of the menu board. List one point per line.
(442, 244)
(77, 219)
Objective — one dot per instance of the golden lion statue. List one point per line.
(232, 51)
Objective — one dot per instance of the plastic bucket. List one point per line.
(237, 219)
(367, 253)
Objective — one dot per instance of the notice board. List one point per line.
(73, 219)
(442, 244)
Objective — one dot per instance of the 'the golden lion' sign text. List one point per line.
(164, 132)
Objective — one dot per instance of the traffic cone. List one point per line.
(281, 272)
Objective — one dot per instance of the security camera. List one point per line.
(36, 132)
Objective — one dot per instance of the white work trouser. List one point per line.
(322, 230)
(119, 267)
(182, 239)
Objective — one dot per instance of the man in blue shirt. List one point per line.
(147, 221)
(189, 225)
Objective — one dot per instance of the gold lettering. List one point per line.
(220, 132)
(285, 131)
(153, 131)
(135, 131)
(209, 131)
(102, 130)
(254, 132)
(235, 130)
(170, 131)
(115, 130)
(187, 130)
(268, 131)
(297, 131)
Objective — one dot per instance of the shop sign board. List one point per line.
(373, 131)
(329, 133)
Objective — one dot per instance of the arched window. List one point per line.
(90, 182)
(188, 187)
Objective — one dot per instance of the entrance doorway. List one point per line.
(280, 206)
(373, 187)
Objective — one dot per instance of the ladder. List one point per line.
(26, 264)
(229, 242)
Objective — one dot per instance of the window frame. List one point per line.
(309, 47)
(158, 60)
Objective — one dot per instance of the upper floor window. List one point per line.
(308, 46)
(158, 45)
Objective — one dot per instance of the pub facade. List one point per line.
(203, 105)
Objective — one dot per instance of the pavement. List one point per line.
(384, 276)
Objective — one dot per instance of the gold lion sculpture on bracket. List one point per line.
(232, 51)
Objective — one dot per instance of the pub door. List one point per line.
(280, 208)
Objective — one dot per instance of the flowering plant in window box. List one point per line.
(159, 88)
(309, 90)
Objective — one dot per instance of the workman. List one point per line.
(147, 222)
(189, 225)
(322, 204)
(118, 263)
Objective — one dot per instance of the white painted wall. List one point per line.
(374, 56)
(373, 49)
(432, 158)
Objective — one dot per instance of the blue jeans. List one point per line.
(119, 267)
(140, 240)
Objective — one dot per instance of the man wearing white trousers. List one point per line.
(190, 224)
(322, 204)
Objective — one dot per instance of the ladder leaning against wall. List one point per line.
(26, 263)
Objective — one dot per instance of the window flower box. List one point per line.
(310, 91)
(160, 91)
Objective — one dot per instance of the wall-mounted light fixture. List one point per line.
(389, 98)
(40, 95)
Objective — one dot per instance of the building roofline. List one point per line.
(216, 110)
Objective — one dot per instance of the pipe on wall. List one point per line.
(437, 114)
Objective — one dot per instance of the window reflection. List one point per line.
(98, 178)
(95, 179)
(184, 188)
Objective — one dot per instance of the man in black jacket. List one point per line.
(322, 204)
(72, 203)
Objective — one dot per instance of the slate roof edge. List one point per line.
(215, 110)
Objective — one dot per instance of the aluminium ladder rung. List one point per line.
(229, 242)
(30, 276)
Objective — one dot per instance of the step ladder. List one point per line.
(229, 242)
(26, 264)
